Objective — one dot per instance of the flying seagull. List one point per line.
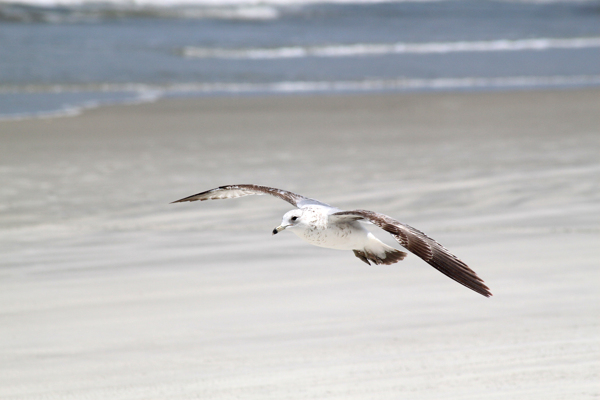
(323, 225)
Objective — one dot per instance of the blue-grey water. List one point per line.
(59, 59)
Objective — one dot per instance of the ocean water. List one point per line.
(59, 57)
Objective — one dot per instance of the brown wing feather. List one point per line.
(233, 191)
(425, 247)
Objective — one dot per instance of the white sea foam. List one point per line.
(138, 95)
(220, 3)
(70, 11)
(151, 92)
(204, 3)
(385, 84)
(357, 50)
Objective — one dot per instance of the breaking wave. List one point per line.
(155, 91)
(74, 11)
(98, 11)
(357, 50)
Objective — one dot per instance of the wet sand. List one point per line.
(108, 291)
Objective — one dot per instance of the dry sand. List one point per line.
(109, 292)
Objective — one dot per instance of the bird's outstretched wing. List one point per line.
(423, 246)
(233, 191)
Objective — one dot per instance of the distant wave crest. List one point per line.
(75, 11)
(356, 50)
(154, 91)
(97, 11)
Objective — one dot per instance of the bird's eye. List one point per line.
(294, 218)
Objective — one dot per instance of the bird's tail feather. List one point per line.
(379, 253)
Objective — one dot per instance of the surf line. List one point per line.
(374, 49)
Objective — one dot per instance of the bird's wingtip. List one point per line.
(179, 201)
(486, 292)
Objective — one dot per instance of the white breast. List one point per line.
(317, 231)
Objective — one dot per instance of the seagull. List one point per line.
(325, 226)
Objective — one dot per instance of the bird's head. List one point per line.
(291, 219)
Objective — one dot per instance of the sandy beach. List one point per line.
(107, 291)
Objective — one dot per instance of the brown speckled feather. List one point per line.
(233, 191)
(425, 247)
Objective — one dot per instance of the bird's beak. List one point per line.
(279, 229)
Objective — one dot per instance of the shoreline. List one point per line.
(93, 96)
